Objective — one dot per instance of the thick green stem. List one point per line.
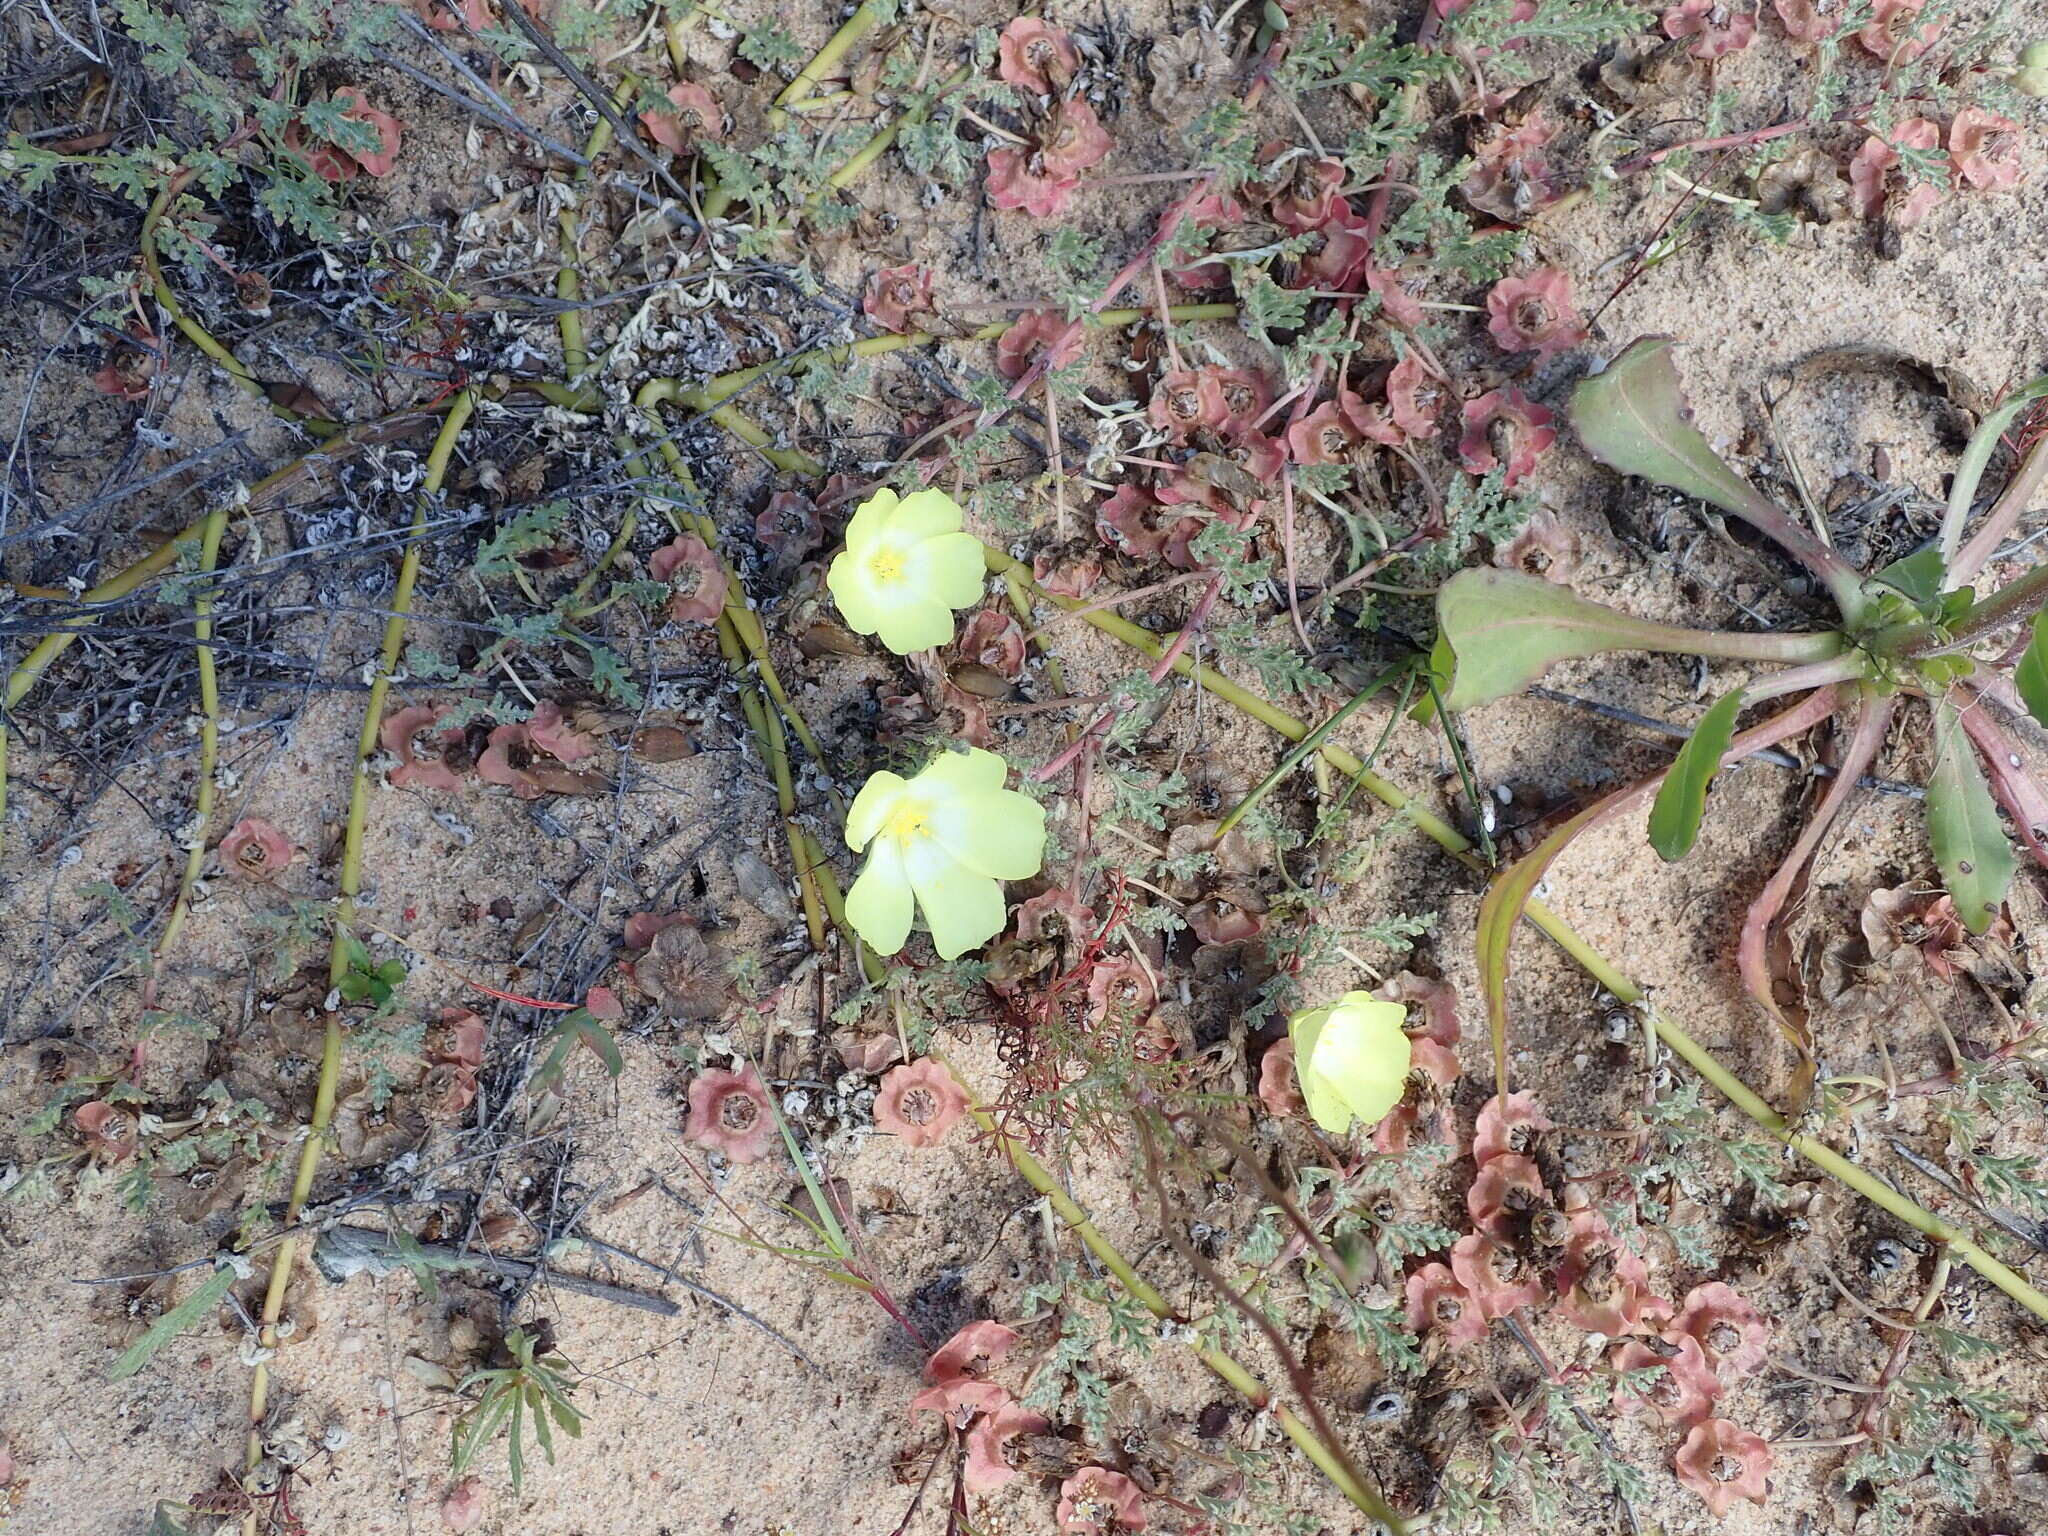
(2013, 603)
(1589, 959)
(856, 26)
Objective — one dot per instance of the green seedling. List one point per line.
(534, 1386)
(1911, 631)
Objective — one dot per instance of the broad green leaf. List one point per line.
(1506, 628)
(1970, 847)
(1682, 800)
(2031, 675)
(184, 1315)
(1916, 576)
(1632, 417)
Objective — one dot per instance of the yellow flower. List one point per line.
(947, 838)
(905, 568)
(1351, 1058)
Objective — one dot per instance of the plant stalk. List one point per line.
(344, 914)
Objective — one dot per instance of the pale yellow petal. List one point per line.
(913, 624)
(973, 772)
(1325, 1105)
(1363, 1054)
(961, 908)
(925, 514)
(948, 569)
(994, 832)
(880, 905)
(869, 520)
(871, 807)
(861, 603)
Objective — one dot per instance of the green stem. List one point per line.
(2011, 604)
(209, 735)
(1308, 744)
(1590, 960)
(344, 912)
(856, 26)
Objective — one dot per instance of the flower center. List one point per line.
(919, 1107)
(886, 565)
(1722, 1337)
(1533, 316)
(1448, 1309)
(1726, 1469)
(738, 1112)
(909, 822)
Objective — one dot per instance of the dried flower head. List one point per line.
(918, 1103)
(1415, 398)
(696, 579)
(1071, 139)
(972, 1353)
(1438, 1303)
(683, 971)
(994, 640)
(1528, 427)
(641, 927)
(1036, 56)
(944, 841)
(1340, 248)
(130, 364)
(1305, 192)
(255, 850)
(898, 297)
(961, 1400)
(1031, 333)
(906, 567)
(1396, 302)
(1731, 1332)
(697, 115)
(1496, 1278)
(1716, 27)
(1278, 1090)
(1603, 1284)
(1507, 1187)
(729, 1113)
(1324, 436)
(1545, 547)
(1891, 34)
(1534, 313)
(1985, 148)
(1874, 186)
(508, 760)
(110, 1133)
(1806, 21)
(1098, 1502)
(549, 732)
(422, 752)
(1681, 1396)
(988, 1445)
(1723, 1462)
(1510, 176)
(1509, 1129)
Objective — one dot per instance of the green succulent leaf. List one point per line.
(2031, 675)
(1970, 846)
(1505, 629)
(1682, 798)
(1632, 417)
